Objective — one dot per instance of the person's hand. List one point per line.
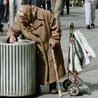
(12, 39)
(52, 44)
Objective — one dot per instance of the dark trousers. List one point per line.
(38, 3)
(52, 86)
(6, 13)
(1, 11)
(32, 2)
(67, 3)
(48, 5)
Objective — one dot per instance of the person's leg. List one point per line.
(7, 13)
(1, 16)
(4, 15)
(1, 11)
(88, 14)
(80, 3)
(67, 6)
(53, 5)
(37, 86)
(43, 4)
(58, 4)
(29, 2)
(33, 2)
(57, 9)
(52, 88)
(38, 3)
(93, 16)
(62, 7)
(48, 2)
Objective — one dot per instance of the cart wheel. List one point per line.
(66, 84)
(73, 90)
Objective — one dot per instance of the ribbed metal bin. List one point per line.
(17, 68)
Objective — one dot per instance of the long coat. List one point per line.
(45, 28)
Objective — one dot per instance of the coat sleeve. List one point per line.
(54, 28)
(14, 30)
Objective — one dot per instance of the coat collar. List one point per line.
(40, 14)
(39, 21)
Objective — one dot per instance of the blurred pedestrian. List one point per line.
(80, 3)
(40, 26)
(65, 2)
(90, 7)
(32, 2)
(39, 3)
(56, 8)
(48, 3)
(2, 4)
(6, 13)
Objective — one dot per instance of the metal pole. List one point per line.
(19, 3)
(11, 12)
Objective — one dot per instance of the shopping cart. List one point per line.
(73, 83)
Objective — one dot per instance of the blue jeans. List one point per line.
(32, 2)
(36, 3)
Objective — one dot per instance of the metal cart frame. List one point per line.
(73, 88)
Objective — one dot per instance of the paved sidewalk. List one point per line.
(90, 72)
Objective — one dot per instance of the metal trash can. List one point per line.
(17, 68)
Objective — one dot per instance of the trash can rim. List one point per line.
(20, 42)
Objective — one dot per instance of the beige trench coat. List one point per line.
(46, 28)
